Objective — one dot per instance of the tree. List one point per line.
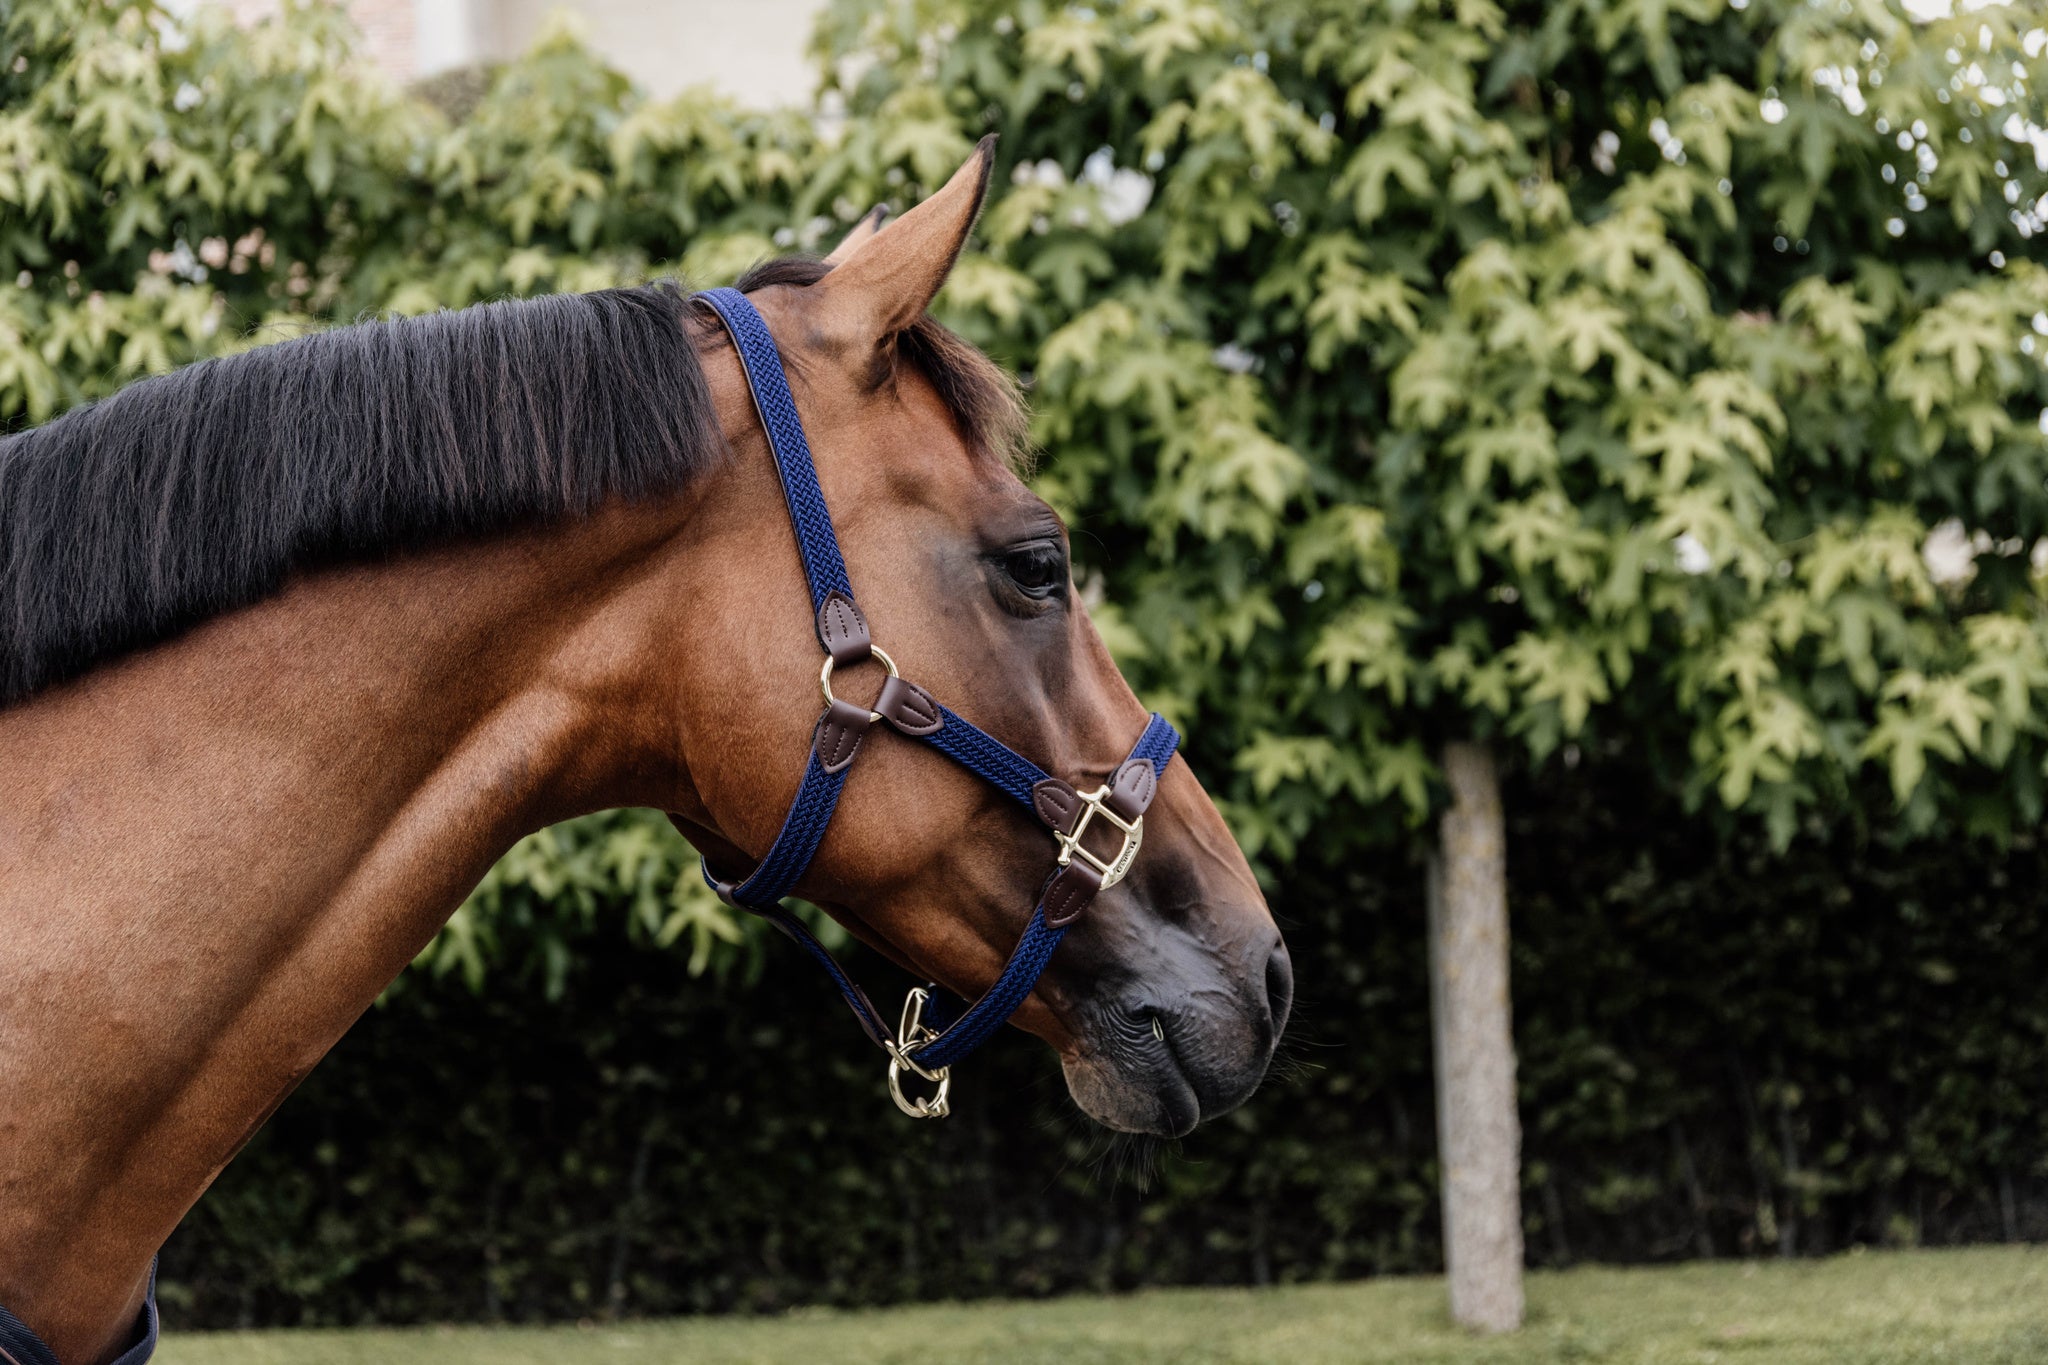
(1480, 1132)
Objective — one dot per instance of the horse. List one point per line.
(298, 642)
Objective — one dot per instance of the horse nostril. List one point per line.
(1279, 987)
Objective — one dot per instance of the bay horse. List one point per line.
(298, 642)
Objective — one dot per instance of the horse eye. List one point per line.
(1037, 570)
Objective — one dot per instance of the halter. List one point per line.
(935, 1030)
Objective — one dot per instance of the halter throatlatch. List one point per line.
(935, 1030)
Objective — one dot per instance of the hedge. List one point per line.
(1724, 1051)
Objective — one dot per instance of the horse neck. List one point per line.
(215, 855)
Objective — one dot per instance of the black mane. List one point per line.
(195, 493)
(191, 494)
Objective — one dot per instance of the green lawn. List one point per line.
(1986, 1306)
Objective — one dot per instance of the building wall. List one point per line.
(752, 50)
(390, 32)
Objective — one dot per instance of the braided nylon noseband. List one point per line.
(949, 1028)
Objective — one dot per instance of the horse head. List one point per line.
(1167, 997)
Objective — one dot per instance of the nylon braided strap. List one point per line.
(987, 757)
(1158, 743)
(979, 1021)
(961, 1028)
(803, 829)
(816, 542)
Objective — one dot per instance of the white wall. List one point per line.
(752, 50)
(444, 35)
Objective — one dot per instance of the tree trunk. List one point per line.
(1479, 1135)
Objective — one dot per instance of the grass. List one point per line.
(1983, 1306)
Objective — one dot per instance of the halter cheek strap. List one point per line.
(935, 1030)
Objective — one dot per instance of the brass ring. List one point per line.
(935, 1107)
(825, 676)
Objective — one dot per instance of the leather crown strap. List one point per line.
(936, 1030)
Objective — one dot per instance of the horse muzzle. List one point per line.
(1188, 1037)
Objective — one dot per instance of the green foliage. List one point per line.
(1553, 371)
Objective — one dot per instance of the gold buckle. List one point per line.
(911, 1031)
(825, 677)
(1113, 870)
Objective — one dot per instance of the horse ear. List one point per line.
(886, 283)
(869, 224)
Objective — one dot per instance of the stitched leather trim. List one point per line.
(1056, 803)
(1132, 788)
(1071, 892)
(909, 708)
(839, 734)
(843, 630)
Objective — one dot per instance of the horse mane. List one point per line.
(195, 493)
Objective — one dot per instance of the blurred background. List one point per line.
(1645, 397)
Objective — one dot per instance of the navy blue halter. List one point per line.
(936, 1030)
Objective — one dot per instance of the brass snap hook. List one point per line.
(911, 1031)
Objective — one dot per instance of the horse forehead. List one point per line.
(902, 432)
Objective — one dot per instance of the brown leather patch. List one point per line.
(1056, 803)
(1070, 893)
(909, 708)
(843, 630)
(1132, 788)
(839, 734)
